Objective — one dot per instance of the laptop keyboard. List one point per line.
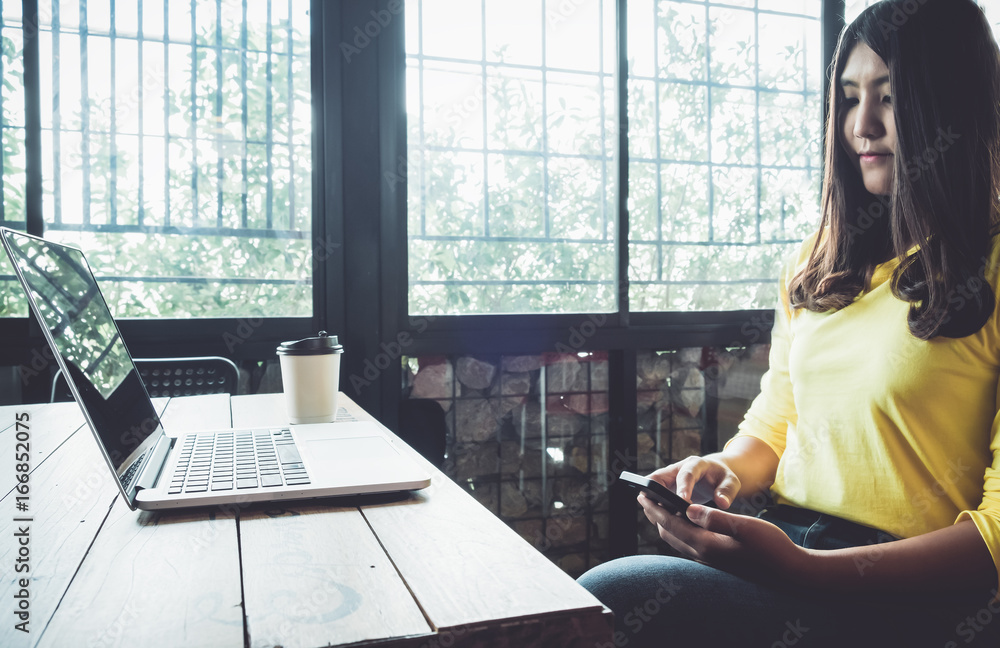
(231, 461)
(133, 470)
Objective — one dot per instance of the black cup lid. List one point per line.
(322, 345)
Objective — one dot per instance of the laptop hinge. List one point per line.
(150, 472)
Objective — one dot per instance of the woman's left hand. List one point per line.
(739, 544)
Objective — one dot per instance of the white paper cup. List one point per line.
(310, 376)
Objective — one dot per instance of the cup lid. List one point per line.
(322, 345)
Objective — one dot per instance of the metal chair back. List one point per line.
(173, 377)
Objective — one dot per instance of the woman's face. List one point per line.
(868, 129)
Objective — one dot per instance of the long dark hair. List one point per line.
(944, 72)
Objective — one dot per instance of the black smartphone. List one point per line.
(656, 492)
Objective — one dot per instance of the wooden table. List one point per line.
(432, 570)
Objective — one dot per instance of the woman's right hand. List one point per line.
(700, 479)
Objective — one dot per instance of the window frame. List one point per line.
(239, 338)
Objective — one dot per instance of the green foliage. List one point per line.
(226, 169)
(723, 177)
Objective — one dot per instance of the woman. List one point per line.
(876, 427)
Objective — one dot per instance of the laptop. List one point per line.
(157, 470)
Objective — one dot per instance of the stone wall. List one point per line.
(527, 435)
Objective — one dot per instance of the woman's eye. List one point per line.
(887, 100)
(850, 102)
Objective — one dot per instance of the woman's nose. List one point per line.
(867, 122)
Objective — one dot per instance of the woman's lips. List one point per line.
(874, 158)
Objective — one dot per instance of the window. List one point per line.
(725, 141)
(12, 145)
(511, 156)
(176, 150)
(512, 199)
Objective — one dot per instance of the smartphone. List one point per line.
(656, 492)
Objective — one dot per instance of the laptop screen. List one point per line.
(67, 301)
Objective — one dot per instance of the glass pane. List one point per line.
(992, 10)
(733, 113)
(690, 402)
(527, 437)
(511, 162)
(178, 157)
(854, 7)
(452, 29)
(12, 150)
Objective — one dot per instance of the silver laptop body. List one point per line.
(289, 462)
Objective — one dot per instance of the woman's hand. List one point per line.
(739, 544)
(700, 479)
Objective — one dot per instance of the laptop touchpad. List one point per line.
(346, 452)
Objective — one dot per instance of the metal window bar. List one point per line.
(3, 123)
(193, 116)
(84, 115)
(269, 104)
(141, 98)
(219, 160)
(244, 119)
(113, 136)
(167, 207)
(291, 119)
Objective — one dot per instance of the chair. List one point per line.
(423, 426)
(173, 377)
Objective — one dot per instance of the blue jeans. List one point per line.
(665, 601)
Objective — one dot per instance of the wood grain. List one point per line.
(315, 575)
(70, 496)
(431, 569)
(466, 568)
(155, 580)
(152, 579)
(48, 425)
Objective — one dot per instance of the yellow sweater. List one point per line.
(876, 426)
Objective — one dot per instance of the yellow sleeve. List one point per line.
(987, 516)
(774, 408)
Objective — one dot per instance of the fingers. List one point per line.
(667, 525)
(690, 474)
(701, 479)
(667, 476)
(721, 522)
(727, 489)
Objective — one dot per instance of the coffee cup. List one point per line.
(310, 375)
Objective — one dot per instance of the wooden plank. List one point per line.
(51, 424)
(314, 575)
(465, 566)
(489, 572)
(157, 578)
(59, 530)
(48, 426)
(471, 574)
(70, 495)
